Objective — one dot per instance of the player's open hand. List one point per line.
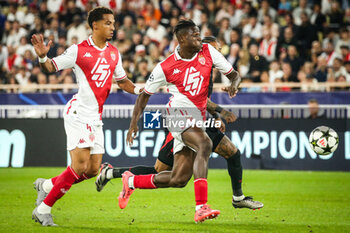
(132, 133)
(229, 117)
(39, 46)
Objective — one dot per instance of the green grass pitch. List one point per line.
(294, 202)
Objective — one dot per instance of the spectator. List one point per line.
(271, 26)
(205, 25)
(316, 51)
(235, 16)
(321, 69)
(275, 71)
(301, 9)
(317, 18)
(53, 6)
(151, 11)
(293, 59)
(345, 53)
(335, 16)
(257, 63)
(339, 70)
(142, 73)
(265, 9)
(285, 41)
(268, 45)
(288, 75)
(344, 40)
(124, 11)
(156, 31)
(14, 14)
(12, 60)
(22, 77)
(16, 34)
(253, 28)
(141, 25)
(129, 27)
(307, 33)
(314, 110)
(284, 7)
(23, 46)
(166, 13)
(225, 30)
(77, 29)
(329, 54)
(233, 57)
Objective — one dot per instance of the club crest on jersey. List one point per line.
(113, 56)
(193, 81)
(201, 59)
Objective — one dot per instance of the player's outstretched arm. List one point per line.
(129, 86)
(41, 50)
(140, 105)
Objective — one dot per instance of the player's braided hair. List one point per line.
(209, 39)
(183, 24)
(97, 13)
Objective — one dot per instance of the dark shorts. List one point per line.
(166, 155)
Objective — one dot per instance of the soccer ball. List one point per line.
(323, 140)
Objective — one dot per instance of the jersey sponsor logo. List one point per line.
(100, 72)
(193, 81)
(81, 141)
(87, 54)
(176, 71)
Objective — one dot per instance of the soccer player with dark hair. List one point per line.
(95, 63)
(186, 73)
(221, 145)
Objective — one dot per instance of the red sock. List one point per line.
(61, 186)
(201, 191)
(81, 178)
(144, 182)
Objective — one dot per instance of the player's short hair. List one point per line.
(97, 13)
(209, 39)
(183, 25)
(313, 101)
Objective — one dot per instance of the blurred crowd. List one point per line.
(305, 41)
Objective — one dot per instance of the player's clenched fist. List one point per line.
(132, 133)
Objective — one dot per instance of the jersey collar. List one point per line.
(91, 43)
(178, 57)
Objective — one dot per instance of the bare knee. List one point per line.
(92, 172)
(206, 145)
(80, 167)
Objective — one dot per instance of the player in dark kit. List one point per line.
(221, 145)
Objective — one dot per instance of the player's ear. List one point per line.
(94, 25)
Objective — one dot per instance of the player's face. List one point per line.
(193, 39)
(106, 26)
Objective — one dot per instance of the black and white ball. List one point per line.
(323, 140)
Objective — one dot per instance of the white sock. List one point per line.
(239, 198)
(198, 207)
(47, 185)
(44, 209)
(131, 182)
(109, 174)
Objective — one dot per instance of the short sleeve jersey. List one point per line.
(188, 79)
(94, 69)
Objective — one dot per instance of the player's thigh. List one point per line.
(226, 148)
(183, 165)
(196, 138)
(160, 166)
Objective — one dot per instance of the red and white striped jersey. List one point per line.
(188, 79)
(94, 69)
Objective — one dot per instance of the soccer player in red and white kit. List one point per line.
(186, 73)
(95, 63)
